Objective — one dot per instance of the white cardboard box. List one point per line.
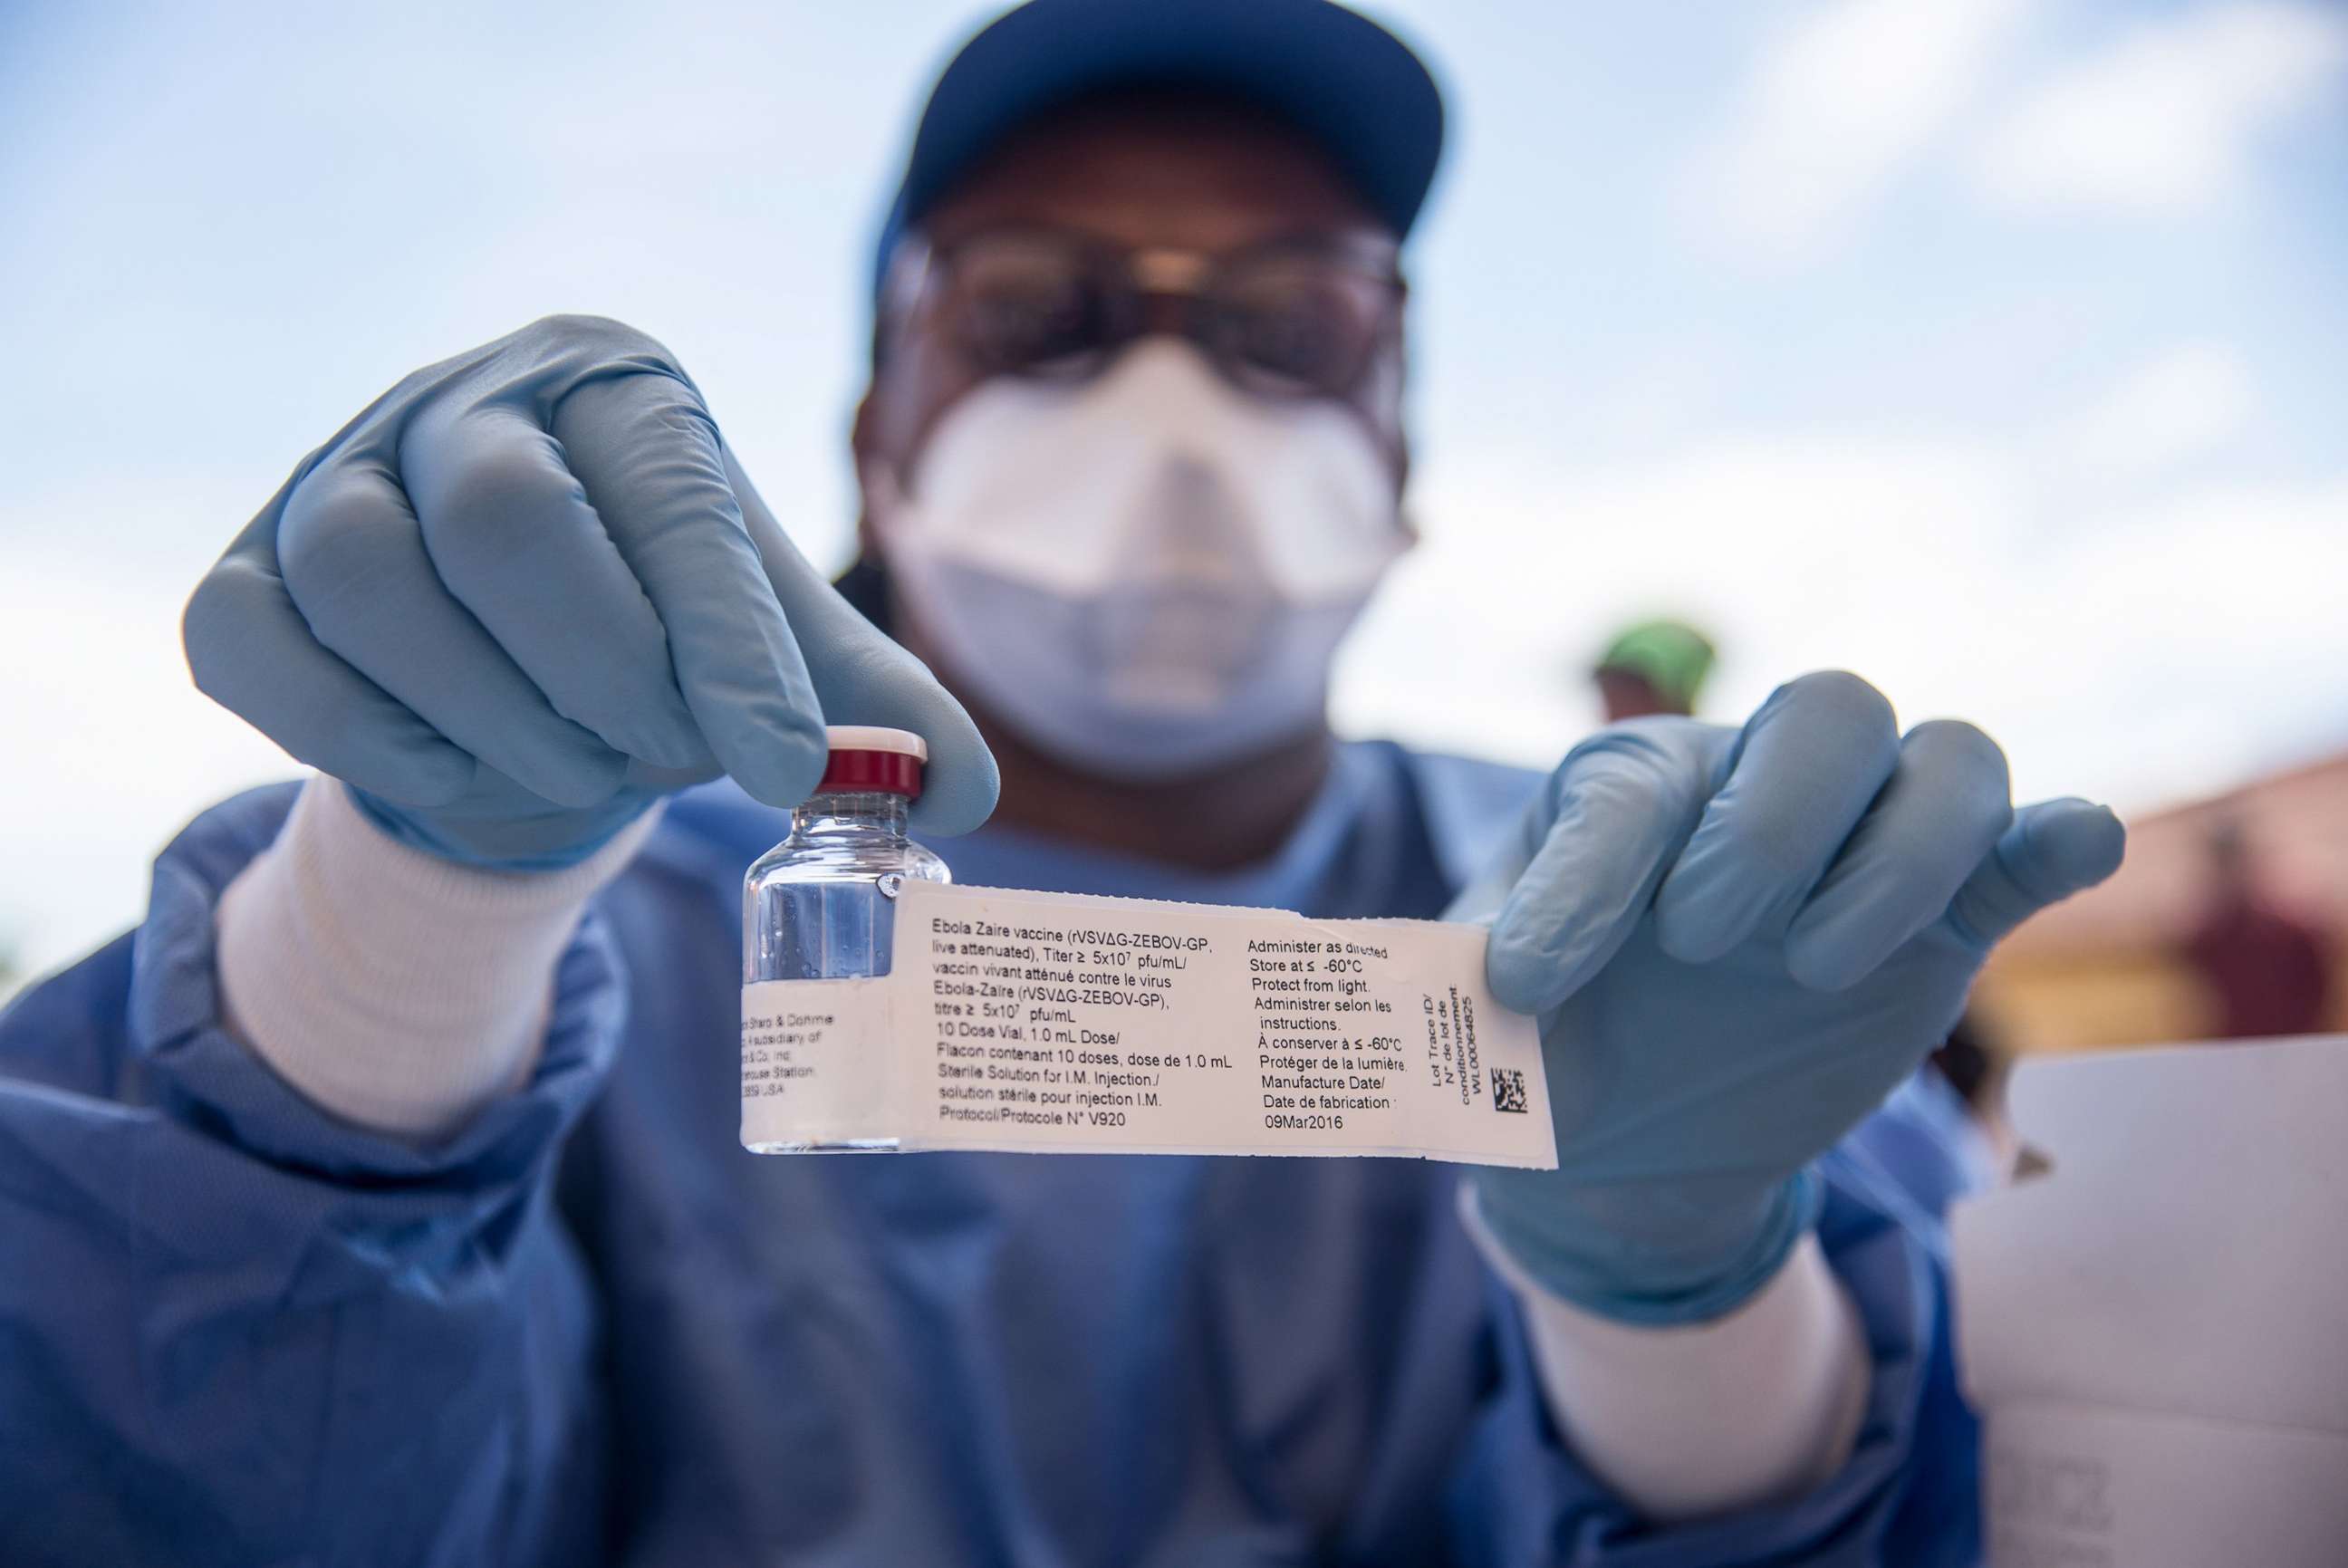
(2155, 1329)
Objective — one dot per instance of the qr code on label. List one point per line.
(1509, 1089)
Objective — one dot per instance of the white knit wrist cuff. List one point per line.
(1694, 1419)
(394, 988)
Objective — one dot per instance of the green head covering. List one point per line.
(1670, 655)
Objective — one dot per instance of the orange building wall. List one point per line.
(2100, 970)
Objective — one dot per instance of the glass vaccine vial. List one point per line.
(822, 905)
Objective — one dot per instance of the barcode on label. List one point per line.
(1509, 1089)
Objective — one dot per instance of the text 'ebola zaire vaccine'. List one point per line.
(820, 905)
(885, 1010)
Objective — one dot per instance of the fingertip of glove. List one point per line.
(1826, 963)
(2079, 841)
(1524, 977)
(663, 733)
(958, 804)
(1688, 930)
(962, 783)
(780, 760)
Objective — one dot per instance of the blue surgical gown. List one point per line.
(589, 1330)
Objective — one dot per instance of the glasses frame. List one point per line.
(1157, 289)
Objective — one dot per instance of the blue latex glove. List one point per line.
(1738, 943)
(529, 591)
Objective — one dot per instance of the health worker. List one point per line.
(378, 1199)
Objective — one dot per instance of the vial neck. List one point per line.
(852, 811)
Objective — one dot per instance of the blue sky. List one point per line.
(1989, 347)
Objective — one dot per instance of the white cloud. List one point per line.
(2177, 405)
(2163, 123)
(2143, 655)
(1799, 549)
(2196, 636)
(1835, 106)
(119, 749)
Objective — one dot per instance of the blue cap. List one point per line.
(1335, 75)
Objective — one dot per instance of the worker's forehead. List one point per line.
(1157, 170)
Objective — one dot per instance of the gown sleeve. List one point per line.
(236, 1330)
(1907, 1498)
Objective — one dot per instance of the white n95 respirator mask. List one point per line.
(1146, 574)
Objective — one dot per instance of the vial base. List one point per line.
(841, 1146)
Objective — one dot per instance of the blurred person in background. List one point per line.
(2267, 970)
(379, 1198)
(1655, 667)
(1966, 1077)
(1945, 1128)
(1974, 1067)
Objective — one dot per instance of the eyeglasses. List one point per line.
(1288, 319)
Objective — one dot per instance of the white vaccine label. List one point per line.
(1046, 1022)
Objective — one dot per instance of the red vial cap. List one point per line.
(868, 758)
